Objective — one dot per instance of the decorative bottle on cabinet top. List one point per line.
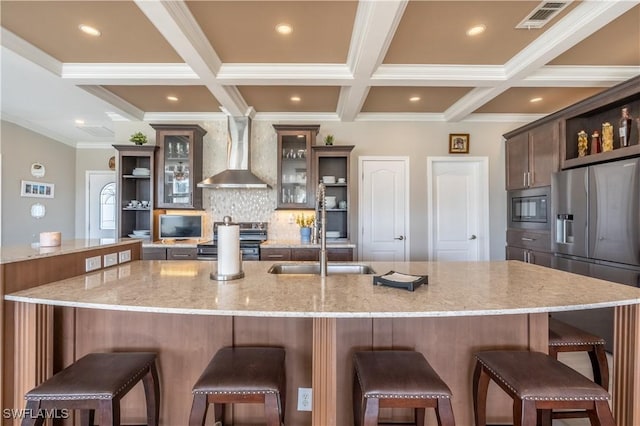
(607, 137)
(595, 142)
(625, 127)
(583, 143)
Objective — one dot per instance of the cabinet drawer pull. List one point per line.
(275, 256)
(180, 255)
(528, 239)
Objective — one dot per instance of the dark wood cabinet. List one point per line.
(295, 183)
(532, 156)
(529, 246)
(179, 166)
(530, 256)
(335, 161)
(135, 169)
(590, 114)
(334, 254)
(169, 253)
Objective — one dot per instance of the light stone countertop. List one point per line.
(338, 243)
(454, 289)
(20, 253)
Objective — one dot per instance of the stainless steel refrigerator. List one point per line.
(596, 231)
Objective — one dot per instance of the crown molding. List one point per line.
(301, 116)
(95, 145)
(29, 52)
(400, 116)
(125, 109)
(183, 116)
(36, 129)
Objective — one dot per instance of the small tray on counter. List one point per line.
(400, 280)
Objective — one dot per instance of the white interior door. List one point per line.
(458, 194)
(383, 208)
(101, 205)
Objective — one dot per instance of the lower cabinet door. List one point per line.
(305, 254)
(154, 253)
(275, 254)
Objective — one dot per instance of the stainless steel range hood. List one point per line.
(238, 173)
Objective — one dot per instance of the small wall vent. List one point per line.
(97, 131)
(542, 14)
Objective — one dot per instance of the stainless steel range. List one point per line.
(251, 235)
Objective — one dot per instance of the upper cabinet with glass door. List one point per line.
(179, 166)
(295, 184)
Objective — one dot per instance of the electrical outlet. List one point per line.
(292, 219)
(304, 399)
(110, 259)
(92, 263)
(124, 256)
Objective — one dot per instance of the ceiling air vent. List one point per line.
(542, 14)
(97, 131)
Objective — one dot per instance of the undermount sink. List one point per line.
(314, 268)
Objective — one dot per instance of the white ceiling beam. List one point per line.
(579, 76)
(124, 108)
(438, 75)
(178, 26)
(129, 74)
(285, 74)
(585, 19)
(375, 24)
(29, 52)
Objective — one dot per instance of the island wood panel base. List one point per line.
(626, 365)
(33, 352)
(448, 343)
(32, 272)
(293, 334)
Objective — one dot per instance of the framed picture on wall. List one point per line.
(36, 189)
(458, 143)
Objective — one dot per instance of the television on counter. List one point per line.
(180, 227)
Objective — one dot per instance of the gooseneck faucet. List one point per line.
(322, 213)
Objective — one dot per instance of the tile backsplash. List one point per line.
(246, 205)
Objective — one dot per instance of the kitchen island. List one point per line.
(174, 308)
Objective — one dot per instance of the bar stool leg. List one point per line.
(524, 413)
(199, 409)
(87, 417)
(272, 409)
(152, 395)
(218, 413)
(109, 412)
(32, 408)
(603, 412)
(444, 412)
(371, 411)
(600, 366)
(419, 413)
(480, 387)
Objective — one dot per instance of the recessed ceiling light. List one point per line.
(475, 30)
(284, 29)
(79, 121)
(534, 100)
(414, 98)
(89, 30)
(295, 99)
(172, 98)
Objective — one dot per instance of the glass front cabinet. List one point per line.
(178, 166)
(295, 183)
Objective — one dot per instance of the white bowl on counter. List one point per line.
(333, 234)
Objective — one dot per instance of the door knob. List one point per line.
(401, 237)
(472, 237)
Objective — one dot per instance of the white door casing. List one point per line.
(383, 200)
(95, 181)
(458, 208)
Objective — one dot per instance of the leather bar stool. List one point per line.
(95, 384)
(537, 383)
(398, 379)
(567, 338)
(241, 375)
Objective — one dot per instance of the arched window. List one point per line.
(108, 206)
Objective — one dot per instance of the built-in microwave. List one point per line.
(529, 208)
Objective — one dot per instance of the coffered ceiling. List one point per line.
(343, 60)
